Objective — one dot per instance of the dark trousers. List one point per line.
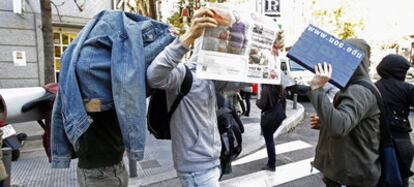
(242, 106)
(270, 147)
(246, 96)
(405, 151)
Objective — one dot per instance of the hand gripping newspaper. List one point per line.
(240, 48)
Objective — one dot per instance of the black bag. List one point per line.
(273, 118)
(230, 129)
(158, 115)
(390, 172)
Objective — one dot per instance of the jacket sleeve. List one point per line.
(60, 145)
(351, 107)
(411, 94)
(263, 101)
(259, 103)
(162, 73)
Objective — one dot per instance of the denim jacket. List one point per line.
(104, 68)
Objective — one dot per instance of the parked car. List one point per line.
(299, 78)
(410, 74)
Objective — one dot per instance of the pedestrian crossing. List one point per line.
(284, 173)
(280, 149)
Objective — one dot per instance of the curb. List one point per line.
(287, 126)
(290, 123)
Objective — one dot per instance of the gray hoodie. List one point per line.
(348, 146)
(195, 137)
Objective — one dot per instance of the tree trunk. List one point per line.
(48, 47)
(152, 9)
(147, 8)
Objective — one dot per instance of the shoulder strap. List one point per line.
(220, 100)
(386, 139)
(184, 89)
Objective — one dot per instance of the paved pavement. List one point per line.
(32, 169)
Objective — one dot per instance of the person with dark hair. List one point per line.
(398, 96)
(271, 96)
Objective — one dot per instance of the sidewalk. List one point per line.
(32, 169)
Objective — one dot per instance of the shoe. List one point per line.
(267, 167)
(247, 115)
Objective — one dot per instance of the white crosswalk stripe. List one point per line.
(280, 149)
(284, 173)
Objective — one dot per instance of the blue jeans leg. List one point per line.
(205, 178)
(270, 147)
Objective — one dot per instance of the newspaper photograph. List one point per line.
(239, 48)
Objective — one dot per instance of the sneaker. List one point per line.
(267, 167)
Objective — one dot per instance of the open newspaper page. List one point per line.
(240, 48)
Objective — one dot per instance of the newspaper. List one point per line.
(240, 48)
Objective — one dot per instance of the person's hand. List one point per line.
(280, 40)
(314, 121)
(202, 19)
(279, 43)
(322, 75)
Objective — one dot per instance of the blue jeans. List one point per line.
(270, 147)
(205, 178)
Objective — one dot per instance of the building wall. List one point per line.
(70, 15)
(22, 32)
(18, 32)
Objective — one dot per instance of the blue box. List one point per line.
(316, 46)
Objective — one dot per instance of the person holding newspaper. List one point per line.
(195, 138)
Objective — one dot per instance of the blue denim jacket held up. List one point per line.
(104, 68)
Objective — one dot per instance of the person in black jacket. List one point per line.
(271, 96)
(398, 96)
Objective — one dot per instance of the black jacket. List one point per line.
(270, 96)
(398, 95)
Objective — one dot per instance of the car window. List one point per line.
(295, 67)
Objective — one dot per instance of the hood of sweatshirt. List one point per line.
(393, 66)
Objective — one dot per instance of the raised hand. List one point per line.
(322, 75)
(203, 18)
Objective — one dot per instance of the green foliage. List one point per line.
(176, 19)
(176, 22)
(346, 30)
(335, 18)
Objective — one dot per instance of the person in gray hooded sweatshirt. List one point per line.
(347, 152)
(195, 137)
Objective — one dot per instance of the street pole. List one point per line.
(295, 101)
